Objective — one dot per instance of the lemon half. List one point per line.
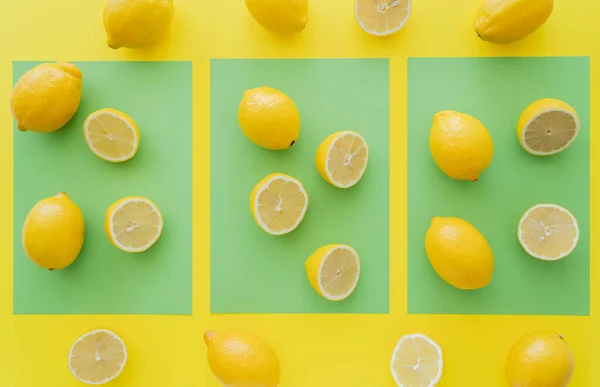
(112, 135)
(417, 361)
(97, 357)
(342, 158)
(382, 17)
(333, 271)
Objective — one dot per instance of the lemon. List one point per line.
(283, 16)
(460, 145)
(97, 357)
(342, 159)
(239, 358)
(506, 21)
(278, 203)
(548, 232)
(112, 135)
(333, 271)
(53, 232)
(46, 97)
(133, 224)
(136, 23)
(540, 359)
(547, 127)
(417, 361)
(382, 17)
(459, 253)
(269, 118)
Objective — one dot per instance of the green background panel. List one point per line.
(496, 91)
(253, 272)
(103, 279)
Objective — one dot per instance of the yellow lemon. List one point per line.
(417, 361)
(269, 118)
(97, 357)
(540, 359)
(278, 203)
(459, 253)
(53, 232)
(136, 23)
(382, 17)
(46, 97)
(460, 145)
(112, 135)
(342, 159)
(239, 358)
(506, 21)
(284, 16)
(333, 271)
(547, 126)
(133, 224)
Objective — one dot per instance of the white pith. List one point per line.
(436, 380)
(537, 153)
(343, 134)
(102, 156)
(147, 245)
(345, 295)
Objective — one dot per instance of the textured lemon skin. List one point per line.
(540, 359)
(46, 97)
(284, 16)
(242, 359)
(321, 158)
(459, 253)
(124, 117)
(136, 23)
(313, 265)
(53, 232)
(112, 209)
(460, 145)
(506, 21)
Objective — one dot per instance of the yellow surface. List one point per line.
(317, 350)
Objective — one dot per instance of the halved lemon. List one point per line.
(547, 127)
(278, 203)
(333, 271)
(382, 17)
(112, 135)
(417, 361)
(97, 357)
(342, 158)
(133, 224)
(548, 232)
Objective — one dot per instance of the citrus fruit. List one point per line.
(342, 159)
(459, 253)
(283, 16)
(460, 145)
(133, 224)
(46, 97)
(239, 358)
(548, 232)
(97, 357)
(53, 232)
(112, 135)
(382, 17)
(269, 118)
(540, 359)
(333, 271)
(547, 127)
(417, 361)
(278, 203)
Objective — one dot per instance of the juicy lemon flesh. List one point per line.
(382, 17)
(280, 205)
(550, 131)
(339, 273)
(111, 137)
(549, 232)
(416, 363)
(97, 357)
(347, 160)
(136, 224)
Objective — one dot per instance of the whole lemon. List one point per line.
(459, 253)
(136, 23)
(46, 97)
(284, 16)
(460, 145)
(53, 232)
(506, 21)
(269, 118)
(540, 359)
(242, 359)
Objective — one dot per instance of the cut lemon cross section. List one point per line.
(278, 203)
(133, 224)
(417, 361)
(97, 357)
(112, 135)
(548, 232)
(382, 17)
(342, 158)
(333, 271)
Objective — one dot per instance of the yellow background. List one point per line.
(319, 350)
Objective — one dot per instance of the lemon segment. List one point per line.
(133, 224)
(112, 135)
(382, 17)
(333, 271)
(548, 232)
(417, 361)
(97, 357)
(342, 158)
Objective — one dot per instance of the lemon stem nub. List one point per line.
(209, 336)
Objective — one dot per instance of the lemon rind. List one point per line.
(103, 157)
(389, 32)
(329, 176)
(113, 237)
(347, 294)
(538, 153)
(404, 338)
